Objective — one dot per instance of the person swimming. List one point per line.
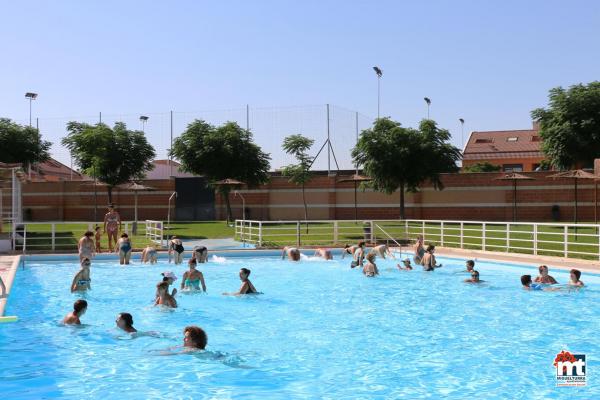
(474, 277)
(176, 249)
(124, 246)
(164, 298)
(200, 254)
(428, 262)
(405, 265)
(575, 274)
(470, 266)
(247, 286)
(194, 338)
(323, 253)
(124, 321)
(370, 268)
(193, 278)
(529, 285)
(543, 277)
(293, 254)
(168, 277)
(73, 318)
(149, 254)
(82, 281)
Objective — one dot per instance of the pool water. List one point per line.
(320, 330)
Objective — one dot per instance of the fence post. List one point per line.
(297, 233)
(442, 234)
(335, 231)
(483, 237)
(53, 228)
(24, 238)
(259, 233)
(373, 234)
(406, 229)
(566, 237)
(535, 239)
(126, 227)
(162, 233)
(507, 237)
(461, 235)
(423, 229)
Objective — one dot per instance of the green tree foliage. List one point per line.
(399, 158)
(570, 126)
(224, 152)
(112, 155)
(22, 144)
(299, 173)
(481, 167)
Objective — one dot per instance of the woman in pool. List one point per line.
(194, 338)
(124, 247)
(201, 254)
(419, 250)
(543, 277)
(474, 277)
(164, 298)
(406, 265)
(324, 254)
(149, 254)
(575, 274)
(86, 246)
(428, 261)
(382, 250)
(112, 226)
(81, 280)
(98, 237)
(176, 249)
(247, 286)
(370, 268)
(358, 255)
(72, 318)
(193, 278)
(293, 254)
(125, 321)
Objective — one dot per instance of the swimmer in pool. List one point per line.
(528, 285)
(324, 253)
(470, 265)
(125, 321)
(149, 254)
(405, 265)
(200, 254)
(382, 250)
(358, 255)
(72, 318)
(176, 249)
(193, 278)
(428, 261)
(370, 268)
(474, 278)
(543, 277)
(247, 286)
(293, 254)
(86, 246)
(82, 281)
(124, 248)
(168, 277)
(419, 250)
(164, 298)
(575, 274)
(194, 338)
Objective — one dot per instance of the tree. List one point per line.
(112, 155)
(398, 158)
(570, 126)
(223, 152)
(299, 174)
(22, 144)
(481, 167)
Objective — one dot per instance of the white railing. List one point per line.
(155, 231)
(554, 239)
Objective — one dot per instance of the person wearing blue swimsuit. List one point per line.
(193, 278)
(81, 280)
(124, 247)
(528, 285)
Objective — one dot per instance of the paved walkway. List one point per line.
(8, 268)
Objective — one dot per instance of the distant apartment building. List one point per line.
(513, 151)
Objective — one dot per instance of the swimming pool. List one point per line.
(320, 330)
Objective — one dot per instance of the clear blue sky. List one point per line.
(489, 62)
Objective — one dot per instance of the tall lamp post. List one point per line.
(379, 73)
(462, 132)
(144, 119)
(428, 101)
(31, 96)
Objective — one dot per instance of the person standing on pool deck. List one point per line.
(193, 278)
(381, 251)
(428, 262)
(200, 254)
(149, 254)
(324, 254)
(575, 274)
(293, 254)
(370, 269)
(419, 250)
(247, 286)
(112, 226)
(164, 298)
(176, 249)
(194, 338)
(81, 280)
(98, 240)
(124, 247)
(72, 318)
(543, 277)
(125, 321)
(86, 246)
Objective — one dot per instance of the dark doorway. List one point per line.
(195, 200)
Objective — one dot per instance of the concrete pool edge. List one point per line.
(8, 269)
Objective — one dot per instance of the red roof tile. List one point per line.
(493, 142)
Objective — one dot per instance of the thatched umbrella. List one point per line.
(574, 174)
(230, 183)
(135, 187)
(513, 176)
(356, 179)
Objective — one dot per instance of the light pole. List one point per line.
(428, 101)
(379, 73)
(144, 119)
(31, 96)
(462, 132)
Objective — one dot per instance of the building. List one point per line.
(53, 171)
(514, 151)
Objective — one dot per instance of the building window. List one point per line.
(512, 167)
(512, 139)
(484, 140)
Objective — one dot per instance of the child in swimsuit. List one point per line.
(124, 247)
(176, 249)
(98, 239)
(81, 280)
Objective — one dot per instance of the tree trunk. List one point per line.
(109, 189)
(402, 214)
(305, 208)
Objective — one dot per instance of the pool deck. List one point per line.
(8, 268)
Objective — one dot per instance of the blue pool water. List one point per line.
(320, 330)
